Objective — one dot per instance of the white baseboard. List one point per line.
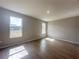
(18, 43)
(64, 40)
(69, 41)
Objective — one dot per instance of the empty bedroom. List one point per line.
(39, 29)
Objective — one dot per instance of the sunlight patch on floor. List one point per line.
(49, 39)
(17, 53)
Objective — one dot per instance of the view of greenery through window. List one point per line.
(15, 27)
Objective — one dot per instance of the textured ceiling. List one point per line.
(58, 9)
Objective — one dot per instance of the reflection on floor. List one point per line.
(42, 49)
(49, 39)
(17, 53)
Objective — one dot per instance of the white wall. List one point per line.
(32, 28)
(65, 29)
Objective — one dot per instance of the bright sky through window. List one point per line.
(16, 21)
(15, 27)
(43, 28)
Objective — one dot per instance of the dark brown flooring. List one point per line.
(44, 49)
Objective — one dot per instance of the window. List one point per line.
(43, 28)
(15, 27)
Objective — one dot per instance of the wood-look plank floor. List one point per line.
(42, 49)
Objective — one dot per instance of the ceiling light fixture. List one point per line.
(47, 11)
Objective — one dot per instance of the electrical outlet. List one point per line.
(0, 41)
